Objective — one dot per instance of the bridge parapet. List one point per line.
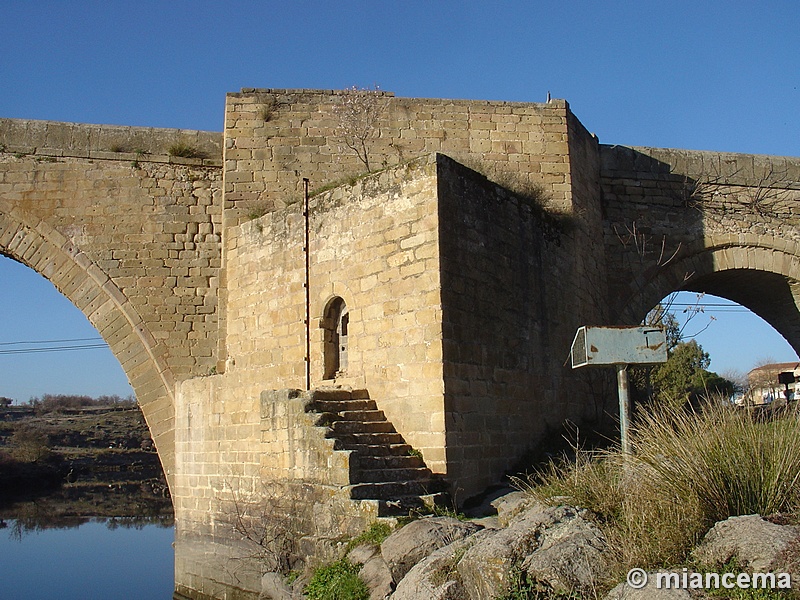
(110, 142)
(722, 168)
(676, 218)
(133, 240)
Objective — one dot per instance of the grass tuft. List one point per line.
(374, 535)
(686, 471)
(184, 150)
(336, 581)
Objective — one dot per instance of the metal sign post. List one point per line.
(624, 406)
(619, 347)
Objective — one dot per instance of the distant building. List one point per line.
(765, 386)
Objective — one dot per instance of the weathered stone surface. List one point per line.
(570, 557)
(511, 505)
(374, 571)
(756, 543)
(436, 577)
(407, 546)
(485, 567)
(376, 575)
(650, 592)
(273, 587)
(361, 554)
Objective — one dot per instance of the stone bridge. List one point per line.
(444, 289)
(724, 224)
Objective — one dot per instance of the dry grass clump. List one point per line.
(686, 471)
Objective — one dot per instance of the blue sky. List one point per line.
(702, 75)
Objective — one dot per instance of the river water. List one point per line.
(98, 559)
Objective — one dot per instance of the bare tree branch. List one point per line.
(358, 111)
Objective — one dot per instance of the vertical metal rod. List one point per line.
(307, 251)
(624, 406)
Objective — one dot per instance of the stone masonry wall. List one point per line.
(153, 228)
(131, 238)
(374, 244)
(674, 218)
(247, 479)
(586, 231)
(274, 138)
(510, 306)
(365, 235)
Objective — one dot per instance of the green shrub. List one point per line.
(374, 535)
(337, 581)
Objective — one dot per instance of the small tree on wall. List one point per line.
(358, 111)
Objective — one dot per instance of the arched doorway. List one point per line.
(336, 324)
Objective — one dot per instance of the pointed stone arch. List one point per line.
(37, 245)
(761, 274)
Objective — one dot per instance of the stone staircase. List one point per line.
(382, 467)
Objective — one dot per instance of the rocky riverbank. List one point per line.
(530, 550)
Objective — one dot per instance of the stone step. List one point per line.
(390, 475)
(337, 406)
(333, 394)
(381, 468)
(401, 507)
(362, 415)
(389, 490)
(375, 450)
(349, 440)
(362, 427)
(389, 461)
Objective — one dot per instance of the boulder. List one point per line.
(273, 587)
(374, 571)
(362, 553)
(377, 577)
(436, 576)
(649, 592)
(570, 557)
(756, 544)
(511, 506)
(486, 566)
(410, 544)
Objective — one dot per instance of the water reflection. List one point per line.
(23, 525)
(88, 540)
(94, 558)
(85, 511)
(71, 506)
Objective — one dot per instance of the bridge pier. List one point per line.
(491, 232)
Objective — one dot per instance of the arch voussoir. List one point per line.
(93, 292)
(767, 262)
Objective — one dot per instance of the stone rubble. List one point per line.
(442, 558)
